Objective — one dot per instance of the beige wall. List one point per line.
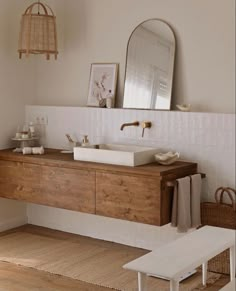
(98, 31)
(17, 77)
(17, 88)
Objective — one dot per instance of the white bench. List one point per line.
(230, 286)
(185, 254)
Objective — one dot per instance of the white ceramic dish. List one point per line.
(167, 158)
(184, 107)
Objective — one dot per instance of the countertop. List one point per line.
(54, 157)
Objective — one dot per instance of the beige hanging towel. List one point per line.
(196, 188)
(174, 214)
(181, 209)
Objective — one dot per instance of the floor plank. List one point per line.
(18, 278)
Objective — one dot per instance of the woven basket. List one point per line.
(38, 32)
(222, 215)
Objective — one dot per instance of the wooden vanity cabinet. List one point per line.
(137, 194)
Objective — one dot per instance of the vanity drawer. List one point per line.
(67, 188)
(134, 198)
(20, 181)
(71, 189)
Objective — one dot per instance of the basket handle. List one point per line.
(44, 7)
(228, 190)
(219, 194)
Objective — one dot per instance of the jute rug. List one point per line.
(84, 261)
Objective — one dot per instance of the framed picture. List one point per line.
(102, 83)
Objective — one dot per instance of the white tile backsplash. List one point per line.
(205, 138)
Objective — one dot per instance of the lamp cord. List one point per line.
(38, 6)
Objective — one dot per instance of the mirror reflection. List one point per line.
(149, 66)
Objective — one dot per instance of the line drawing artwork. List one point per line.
(102, 83)
(100, 91)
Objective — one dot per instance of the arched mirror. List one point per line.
(149, 66)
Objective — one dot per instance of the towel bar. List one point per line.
(173, 183)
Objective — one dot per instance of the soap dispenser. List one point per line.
(85, 141)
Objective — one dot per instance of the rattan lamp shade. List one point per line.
(38, 33)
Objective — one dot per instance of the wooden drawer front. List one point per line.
(19, 181)
(128, 197)
(68, 188)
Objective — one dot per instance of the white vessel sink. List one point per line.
(116, 154)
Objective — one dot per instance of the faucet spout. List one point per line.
(135, 123)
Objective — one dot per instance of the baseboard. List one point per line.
(13, 222)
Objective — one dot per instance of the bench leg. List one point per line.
(232, 263)
(142, 278)
(204, 273)
(174, 285)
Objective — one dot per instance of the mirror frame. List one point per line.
(171, 87)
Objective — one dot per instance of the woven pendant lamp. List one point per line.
(38, 33)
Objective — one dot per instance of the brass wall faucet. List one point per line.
(135, 123)
(145, 124)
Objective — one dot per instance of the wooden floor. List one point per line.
(18, 278)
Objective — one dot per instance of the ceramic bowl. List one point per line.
(183, 107)
(167, 158)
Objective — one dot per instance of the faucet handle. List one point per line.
(145, 124)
